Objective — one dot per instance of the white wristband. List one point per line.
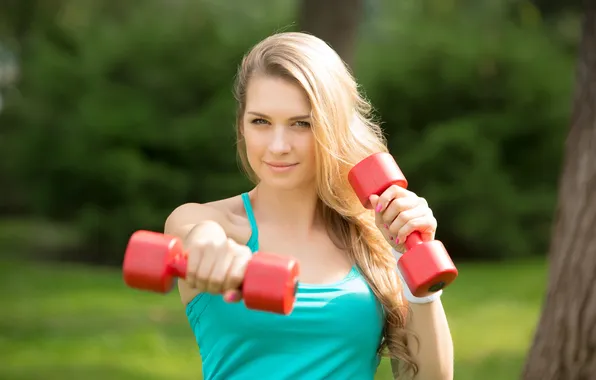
(407, 293)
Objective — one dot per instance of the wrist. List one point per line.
(406, 291)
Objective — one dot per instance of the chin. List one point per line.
(286, 183)
(282, 183)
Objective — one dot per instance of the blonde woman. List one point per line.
(301, 126)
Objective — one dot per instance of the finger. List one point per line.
(398, 206)
(403, 218)
(426, 225)
(232, 296)
(236, 270)
(234, 279)
(237, 253)
(192, 264)
(378, 216)
(220, 269)
(210, 252)
(373, 200)
(392, 192)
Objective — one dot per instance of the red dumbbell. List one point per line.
(425, 266)
(153, 260)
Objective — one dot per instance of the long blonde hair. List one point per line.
(345, 133)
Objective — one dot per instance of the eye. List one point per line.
(303, 124)
(259, 121)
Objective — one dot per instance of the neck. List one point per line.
(294, 209)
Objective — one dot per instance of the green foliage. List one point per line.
(476, 112)
(118, 122)
(98, 329)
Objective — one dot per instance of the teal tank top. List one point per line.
(333, 332)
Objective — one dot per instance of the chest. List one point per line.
(339, 314)
(321, 261)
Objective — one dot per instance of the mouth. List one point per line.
(279, 165)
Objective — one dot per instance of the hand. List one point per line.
(216, 264)
(399, 212)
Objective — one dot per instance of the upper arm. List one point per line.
(184, 217)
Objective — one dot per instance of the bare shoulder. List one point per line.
(228, 212)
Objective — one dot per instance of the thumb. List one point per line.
(232, 296)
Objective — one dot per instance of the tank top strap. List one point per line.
(253, 242)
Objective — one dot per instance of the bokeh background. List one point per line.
(112, 113)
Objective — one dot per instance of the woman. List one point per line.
(301, 126)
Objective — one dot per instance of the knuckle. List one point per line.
(416, 223)
(406, 229)
(215, 284)
(394, 206)
(201, 246)
(394, 229)
(236, 278)
(401, 203)
(191, 277)
(243, 252)
(403, 217)
(201, 277)
(390, 192)
(387, 218)
(395, 189)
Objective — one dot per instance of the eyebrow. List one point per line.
(268, 117)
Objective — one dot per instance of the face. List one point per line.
(277, 130)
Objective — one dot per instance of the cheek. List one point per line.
(252, 142)
(308, 147)
(255, 148)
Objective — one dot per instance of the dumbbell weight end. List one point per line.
(426, 267)
(153, 261)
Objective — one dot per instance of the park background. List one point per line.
(113, 113)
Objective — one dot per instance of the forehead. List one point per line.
(276, 97)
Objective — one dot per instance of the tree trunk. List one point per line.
(564, 346)
(334, 21)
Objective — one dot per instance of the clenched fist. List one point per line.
(216, 264)
(399, 212)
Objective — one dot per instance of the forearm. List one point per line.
(430, 339)
(433, 348)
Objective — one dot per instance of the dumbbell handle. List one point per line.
(413, 240)
(178, 266)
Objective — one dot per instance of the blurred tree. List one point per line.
(334, 21)
(564, 346)
(553, 7)
(18, 18)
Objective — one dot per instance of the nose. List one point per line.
(280, 141)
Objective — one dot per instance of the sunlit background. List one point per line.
(112, 113)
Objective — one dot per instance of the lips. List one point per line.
(280, 164)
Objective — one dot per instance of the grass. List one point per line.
(65, 321)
